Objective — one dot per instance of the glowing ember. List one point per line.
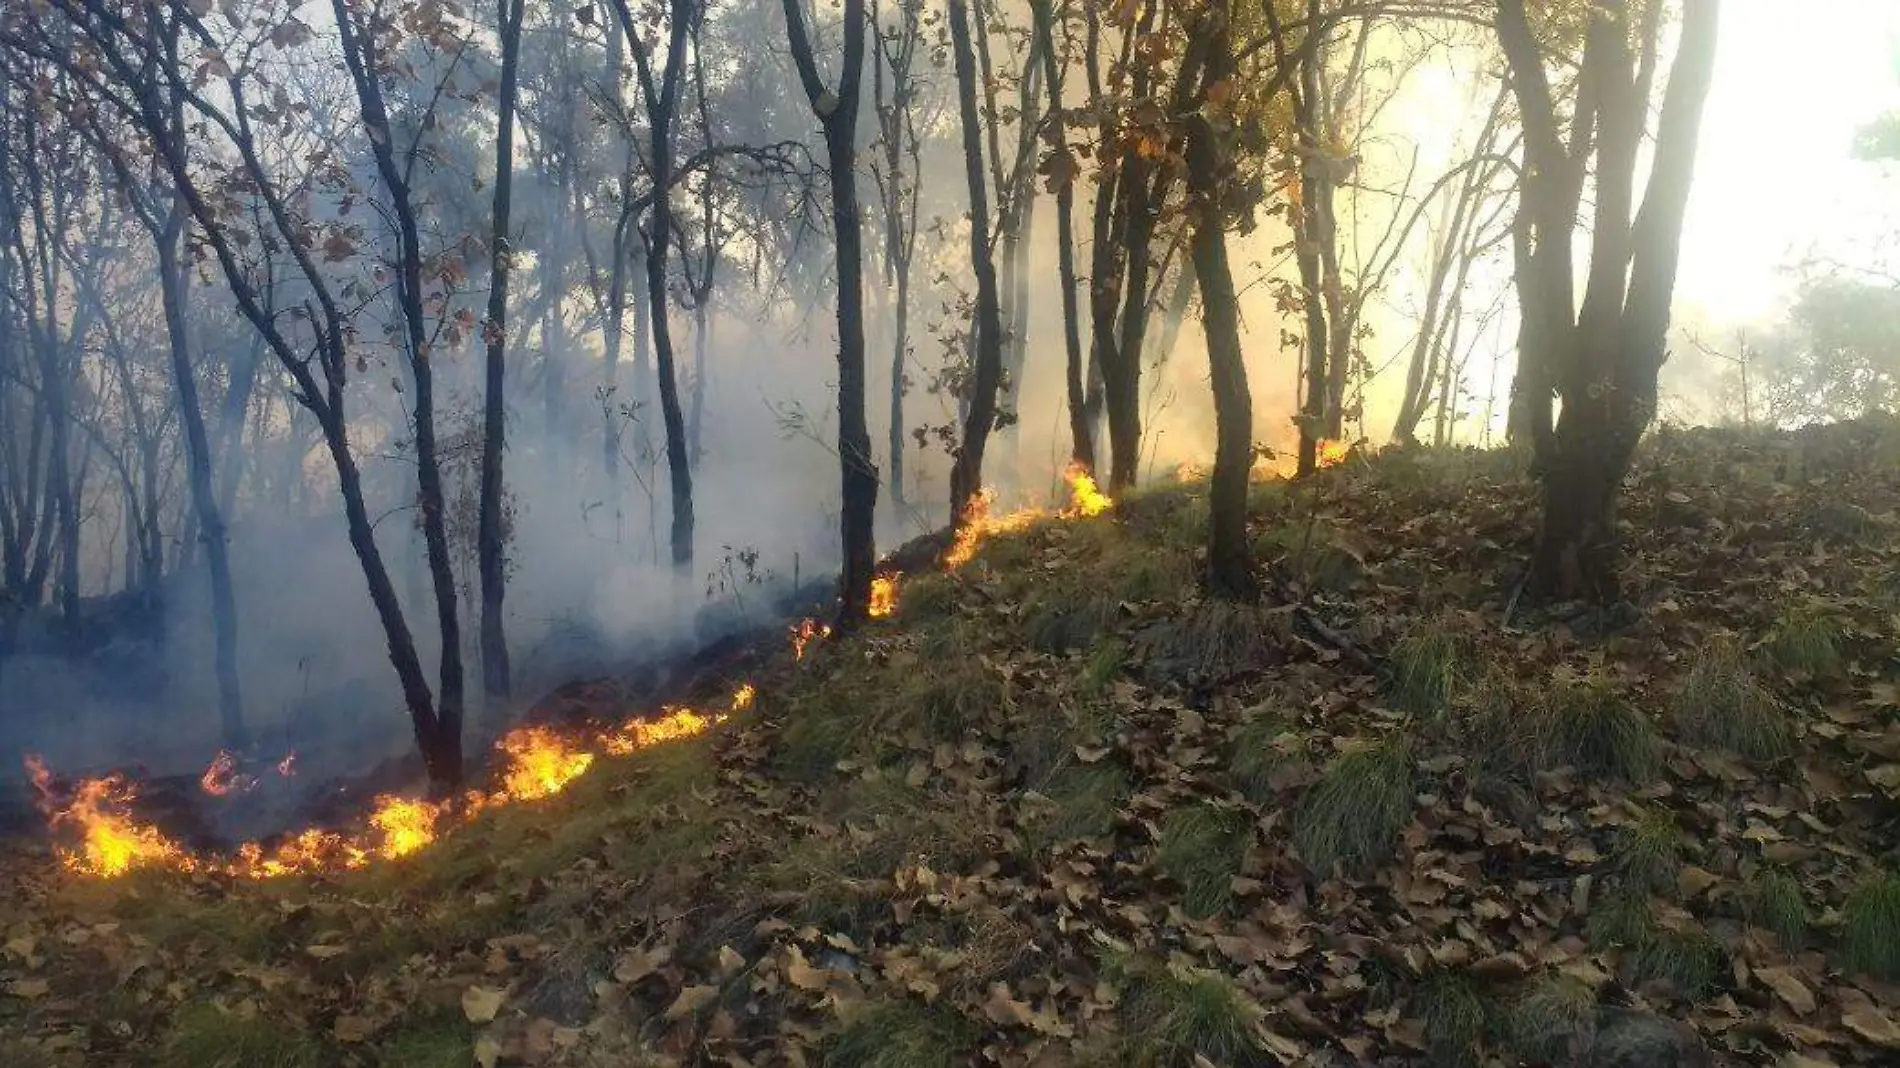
(804, 633)
(884, 594)
(222, 777)
(1085, 498)
(406, 825)
(288, 766)
(676, 723)
(742, 697)
(540, 763)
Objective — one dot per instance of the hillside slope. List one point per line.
(1058, 809)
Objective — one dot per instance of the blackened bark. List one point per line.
(1229, 556)
(966, 478)
(492, 559)
(837, 113)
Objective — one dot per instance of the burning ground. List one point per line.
(1054, 808)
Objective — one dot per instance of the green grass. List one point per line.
(439, 1040)
(1552, 1012)
(1620, 920)
(1427, 665)
(1806, 643)
(1173, 1017)
(1059, 623)
(1102, 667)
(925, 598)
(1688, 962)
(1776, 901)
(1589, 726)
(1649, 853)
(1317, 556)
(1214, 640)
(1720, 704)
(1354, 813)
(208, 1036)
(1870, 927)
(1261, 746)
(1201, 847)
(900, 1034)
(1455, 1015)
(1083, 801)
(941, 692)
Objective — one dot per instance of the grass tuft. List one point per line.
(1185, 1017)
(437, 1041)
(1649, 853)
(1426, 666)
(1201, 848)
(1719, 703)
(926, 597)
(1354, 812)
(1554, 1013)
(1807, 643)
(1689, 962)
(1316, 555)
(899, 1034)
(1870, 927)
(1776, 901)
(1083, 801)
(1589, 726)
(208, 1036)
(1455, 1016)
(1102, 667)
(1620, 920)
(1261, 746)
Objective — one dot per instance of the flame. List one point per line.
(673, 724)
(884, 594)
(405, 824)
(110, 842)
(221, 777)
(804, 632)
(1332, 452)
(288, 766)
(1085, 498)
(743, 697)
(540, 763)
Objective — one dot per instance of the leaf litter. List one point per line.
(1083, 843)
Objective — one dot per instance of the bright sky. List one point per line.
(1775, 179)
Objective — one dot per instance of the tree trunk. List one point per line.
(1081, 443)
(702, 323)
(171, 278)
(1229, 556)
(1121, 369)
(966, 478)
(490, 548)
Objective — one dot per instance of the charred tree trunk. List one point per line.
(1229, 557)
(966, 478)
(491, 549)
(837, 113)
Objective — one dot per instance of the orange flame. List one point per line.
(405, 825)
(540, 763)
(804, 633)
(1085, 498)
(1333, 452)
(673, 724)
(743, 697)
(884, 594)
(110, 842)
(221, 777)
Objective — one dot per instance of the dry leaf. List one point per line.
(353, 1029)
(1788, 988)
(691, 1000)
(481, 1004)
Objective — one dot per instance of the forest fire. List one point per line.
(221, 777)
(103, 838)
(884, 594)
(804, 632)
(540, 763)
(1333, 452)
(1085, 497)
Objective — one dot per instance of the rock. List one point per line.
(1627, 1038)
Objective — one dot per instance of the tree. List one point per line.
(1601, 358)
(495, 680)
(837, 113)
(966, 478)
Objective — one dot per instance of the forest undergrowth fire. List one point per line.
(100, 834)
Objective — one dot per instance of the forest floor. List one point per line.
(1059, 810)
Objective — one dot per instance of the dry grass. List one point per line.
(1720, 704)
(1588, 725)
